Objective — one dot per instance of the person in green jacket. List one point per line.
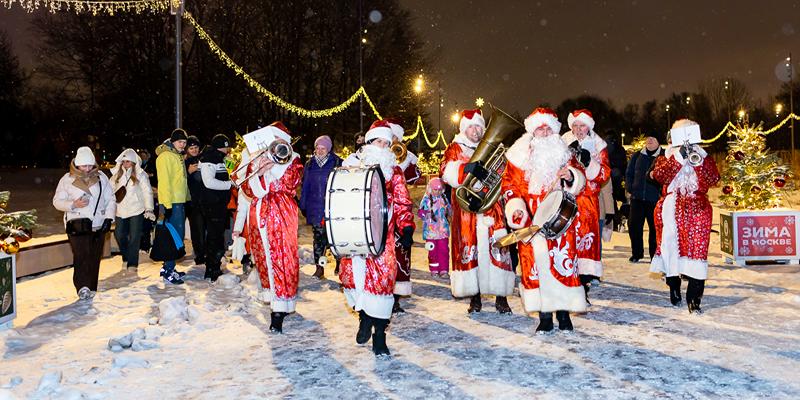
(173, 192)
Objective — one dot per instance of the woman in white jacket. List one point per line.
(85, 193)
(133, 207)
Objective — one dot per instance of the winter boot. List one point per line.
(674, 283)
(396, 307)
(564, 323)
(545, 322)
(694, 294)
(364, 327)
(586, 283)
(475, 304)
(212, 274)
(319, 273)
(247, 264)
(501, 305)
(379, 337)
(276, 325)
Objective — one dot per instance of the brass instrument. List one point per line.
(400, 151)
(277, 152)
(693, 157)
(476, 195)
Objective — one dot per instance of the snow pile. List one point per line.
(138, 340)
(172, 310)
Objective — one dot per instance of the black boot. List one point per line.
(501, 305)
(564, 323)
(694, 294)
(586, 283)
(276, 325)
(475, 304)
(364, 327)
(396, 307)
(379, 337)
(319, 273)
(545, 322)
(674, 283)
(212, 273)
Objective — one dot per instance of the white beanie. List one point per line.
(582, 115)
(84, 156)
(129, 155)
(380, 129)
(469, 118)
(542, 116)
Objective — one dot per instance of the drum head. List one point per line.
(548, 208)
(377, 210)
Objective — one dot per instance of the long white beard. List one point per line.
(384, 158)
(685, 181)
(547, 156)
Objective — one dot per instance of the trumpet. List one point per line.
(277, 152)
(692, 156)
(400, 151)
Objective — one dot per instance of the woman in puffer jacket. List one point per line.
(85, 193)
(134, 204)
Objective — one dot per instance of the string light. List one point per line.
(269, 95)
(421, 128)
(93, 7)
(730, 126)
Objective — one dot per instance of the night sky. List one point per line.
(519, 54)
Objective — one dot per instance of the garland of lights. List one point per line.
(730, 126)
(269, 95)
(421, 127)
(92, 6)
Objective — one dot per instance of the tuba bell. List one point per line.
(400, 151)
(478, 195)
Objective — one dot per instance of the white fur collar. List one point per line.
(518, 152)
(411, 158)
(464, 141)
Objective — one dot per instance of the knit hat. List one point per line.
(324, 141)
(379, 129)
(192, 141)
(128, 155)
(542, 116)
(582, 115)
(178, 134)
(469, 118)
(84, 156)
(435, 184)
(220, 141)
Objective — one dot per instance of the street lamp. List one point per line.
(623, 139)
(778, 109)
(669, 123)
(419, 85)
(741, 115)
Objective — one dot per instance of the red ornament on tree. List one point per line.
(779, 182)
(755, 189)
(739, 155)
(727, 190)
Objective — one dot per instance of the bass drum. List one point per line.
(356, 212)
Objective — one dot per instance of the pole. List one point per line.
(791, 103)
(439, 89)
(178, 77)
(360, 68)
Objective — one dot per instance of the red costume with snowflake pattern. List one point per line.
(272, 231)
(683, 220)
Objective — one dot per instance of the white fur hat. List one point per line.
(469, 118)
(682, 123)
(542, 116)
(582, 115)
(84, 156)
(280, 131)
(380, 129)
(397, 130)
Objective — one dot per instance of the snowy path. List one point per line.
(630, 344)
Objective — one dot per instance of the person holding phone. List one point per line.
(87, 200)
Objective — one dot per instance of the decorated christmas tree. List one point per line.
(15, 227)
(754, 178)
(637, 145)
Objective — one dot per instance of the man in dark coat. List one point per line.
(644, 195)
(194, 180)
(312, 196)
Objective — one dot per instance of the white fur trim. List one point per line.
(397, 131)
(465, 122)
(381, 132)
(277, 170)
(464, 283)
(410, 159)
(259, 190)
(582, 117)
(538, 119)
(402, 288)
(578, 181)
(276, 304)
(498, 233)
(467, 146)
(516, 204)
(378, 306)
(451, 173)
(587, 266)
(491, 279)
(551, 295)
(670, 262)
(592, 170)
(488, 221)
(518, 152)
(352, 161)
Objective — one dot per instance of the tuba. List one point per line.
(399, 150)
(478, 195)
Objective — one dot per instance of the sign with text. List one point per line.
(766, 235)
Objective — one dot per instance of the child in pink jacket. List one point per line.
(434, 210)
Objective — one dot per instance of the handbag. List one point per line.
(119, 195)
(167, 243)
(83, 226)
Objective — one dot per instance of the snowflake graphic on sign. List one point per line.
(789, 220)
(789, 250)
(750, 221)
(744, 251)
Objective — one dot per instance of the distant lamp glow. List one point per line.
(741, 114)
(479, 102)
(778, 109)
(688, 99)
(363, 40)
(455, 117)
(419, 85)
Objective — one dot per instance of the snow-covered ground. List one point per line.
(141, 340)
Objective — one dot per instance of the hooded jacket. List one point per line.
(171, 172)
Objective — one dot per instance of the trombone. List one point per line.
(277, 152)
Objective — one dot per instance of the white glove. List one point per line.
(148, 214)
(237, 248)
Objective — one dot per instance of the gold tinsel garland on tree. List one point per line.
(15, 227)
(755, 177)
